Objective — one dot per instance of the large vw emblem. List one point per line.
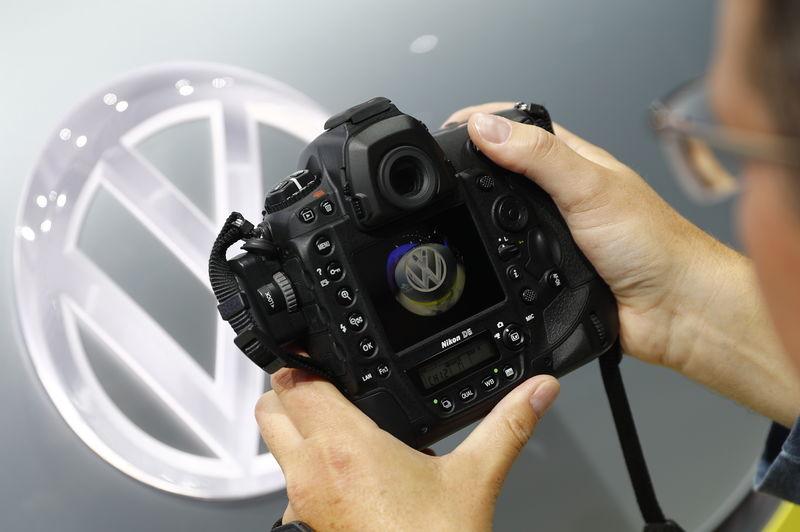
(425, 268)
(63, 295)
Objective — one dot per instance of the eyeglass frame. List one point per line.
(666, 121)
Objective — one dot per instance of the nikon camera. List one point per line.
(422, 279)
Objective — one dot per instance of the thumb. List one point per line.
(574, 182)
(498, 439)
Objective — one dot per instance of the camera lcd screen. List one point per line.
(455, 362)
(428, 277)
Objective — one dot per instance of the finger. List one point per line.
(462, 115)
(585, 148)
(508, 427)
(277, 429)
(574, 182)
(314, 405)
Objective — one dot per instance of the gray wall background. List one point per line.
(597, 65)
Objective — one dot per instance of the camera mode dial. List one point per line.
(296, 186)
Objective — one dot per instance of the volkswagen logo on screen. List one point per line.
(101, 342)
(425, 268)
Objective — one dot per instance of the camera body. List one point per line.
(427, 280)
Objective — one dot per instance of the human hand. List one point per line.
(637, 243)
(344, 473)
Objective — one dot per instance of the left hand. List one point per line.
(344, 473)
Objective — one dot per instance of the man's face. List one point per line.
(768, 219)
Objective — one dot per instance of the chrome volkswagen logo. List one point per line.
(425, 269)
(62, 293)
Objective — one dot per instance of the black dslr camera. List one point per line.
(422, 279)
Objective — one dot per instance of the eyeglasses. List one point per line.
(707, 157)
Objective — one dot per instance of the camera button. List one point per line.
(489, 383)
(345, 296)
(467, 394)
(335, 271)
(357, 321)
(528, 296)
(514, 273)
(509, 372)
(367, 346)
(307, 215)
(382, 370)
(323, 245)
(513, 337)
(444, 404)
(327, 207)
(506, 251)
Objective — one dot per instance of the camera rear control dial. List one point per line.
(296, 186)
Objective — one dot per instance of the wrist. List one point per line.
(711, 306)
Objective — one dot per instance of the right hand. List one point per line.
(637, 243)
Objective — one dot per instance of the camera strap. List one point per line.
(631, 446)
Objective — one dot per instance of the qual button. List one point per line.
(467, 394)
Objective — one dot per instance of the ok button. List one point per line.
(367, 346)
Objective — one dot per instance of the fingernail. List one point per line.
(543, 396)
(492, 128)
